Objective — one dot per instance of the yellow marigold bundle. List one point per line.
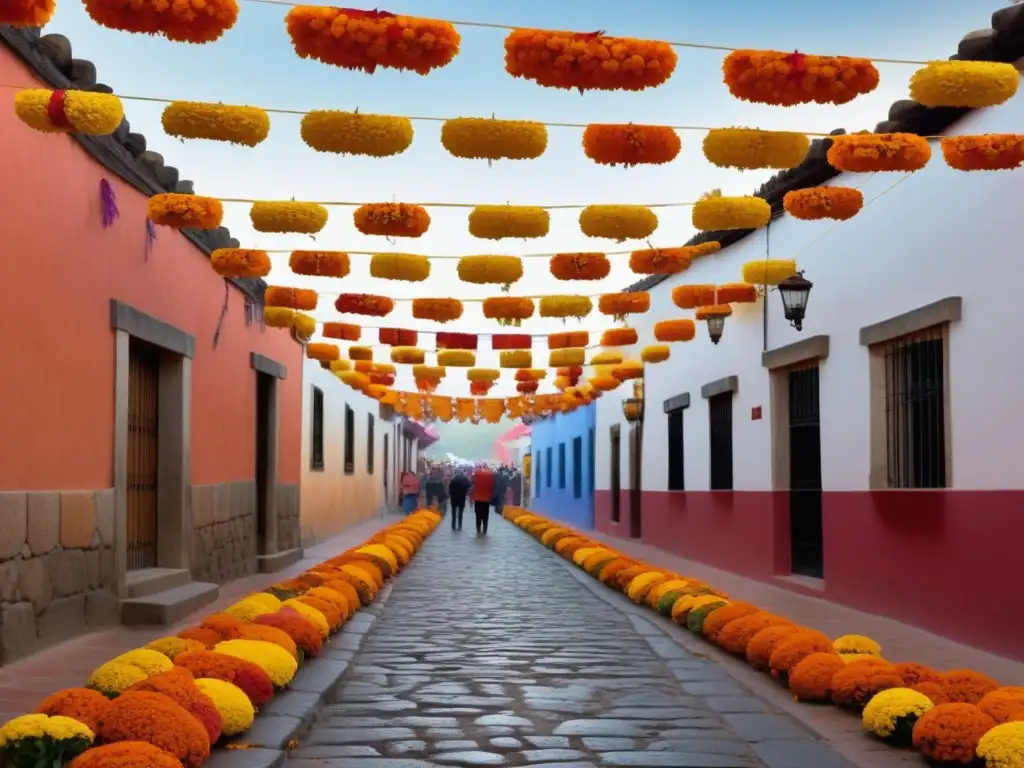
(516, 358)
(342, 331)
(355, 133)
(622, 304)
(429, 372)
(288, 216)
(319, 263)
(839, 203)
(752, 149)
(494, 270)
(608, 358)
(768, 271)
(969, 84)
(185, 211)
(566, 306)
(630, 144)
(365, 40)
(456, 358)
(392, 219)
(588, 60)
(477, 138)
(407, 355)
(990, 152)
(508, 308)
(561, 358)
(683, 329)
(409, 267)
(483, 374)
(27, 13)
(655, 353)
(240, 262)
(879, 152)
(82, 112)
(713, 212)
(604, 383)
(291, 298)
(325, 353)
(498, 222)
(628, 369)
(247, 126)
(618, 222)
(787, 79)
(580, 266)
(438, 310)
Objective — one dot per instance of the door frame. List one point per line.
(636, 464)
(275, 373)
(800, 497)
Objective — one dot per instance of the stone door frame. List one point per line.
(276, 373)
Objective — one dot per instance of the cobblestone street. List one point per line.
(490, 651)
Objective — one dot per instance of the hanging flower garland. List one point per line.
(483, 374)
(768, 271)
(434, 372)
(288, 216)
(714, 212)
(27, 13)
(753, 149)
(508, 310)
(565, 357)
(358, 381)
(456, 358)
(628, 369)
(438, 310)
(292, 298)
(80, 112)
(839, 203)
(240, 262)
(588, 60)
(531, 374)
(511, 341)
(479, 388)
(392, 219)
(787, 79)
(365, 40)
(879, 152)
(608, 358)
(342, 331)
(337, 366)
(618, 222)
(566, 306)
(713, 310)
(660, 261)
(619, 337)
(621, 304)
(397, 337)
(604, 383)
(408, 267)
(185, 211)
(490, 270)
(365, 364)
(283, 317)
(568, 339)
(384, 369)
(247, 126)
(527, 387)
(693, 296)
(180, 22)
(354, 133)
(361, 353)
(477, 138)
(382, 379)
(319, 263)
(570, 371)
(449, 340)
(364, 304)
(737, 293)
(991, 152)
(629, 145)
(580, 266)
(499, 222)
(683, 329)
(407, 355)
(492, 410)
(655, 353)
(967, 84)
(325, 353)
(516, 358)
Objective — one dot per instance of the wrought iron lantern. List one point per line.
(633, 407)
(795, 291)
(716, 325)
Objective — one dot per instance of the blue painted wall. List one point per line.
(551, 496)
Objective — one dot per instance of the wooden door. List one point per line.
(143, 439)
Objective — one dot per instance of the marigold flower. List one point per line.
(483, 374)
(621, 304)
(27, 13)
(497, 270)
(814, 203)
(81, 704)
(407, 355)
(361, 355)
(675, 330)
(391, 219)
(566, 357)
(892, 714)
(568, 339)
(856, 644)
(300, 629)
(665, 261)
(618, 222)
(717, 620)
(178, 685)
(438, 310)
(332, 616)
(319, 263)
(207, 637)
(498, 222)
(179, 22)
(185, 211)
(267, 634)
(158, 720)
(968, 84)
(125, 754)
(315, 616)
(628, 369)
(456, 358)
(1002, 704)
(408, 267)
(655, 353)
(247, 126)
(693, 296)
(914, 673)
(508, 308)
(968, 686)
(511, 341)
(80, 112)
(737, 293)
(1002, 746)
(364, 304)
(856, 684)
(763, 644)
(879, 152)
(715, 212)
(240, 262)
(566, 306)
(516, 358)
(768, 271)
(356, 133)
(580, 266)
(233, 706)
(279, 665)
(477, 138)
(950, 733)
(811, 678)
(753, 149)
(631, 144)
(992, 152)
(787, 79)
(291, 298)
(618, 337)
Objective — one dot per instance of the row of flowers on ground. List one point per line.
(168, 704)
(959, 717)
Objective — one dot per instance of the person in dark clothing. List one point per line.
(458, 489)
(483, 492)
(500, 484)
(435, 490)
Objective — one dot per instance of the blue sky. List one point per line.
(255, 64)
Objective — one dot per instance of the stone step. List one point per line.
(149, 581)
(279, 560)
(167, 607)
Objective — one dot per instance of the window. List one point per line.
(720, 416)
(915, 410)
(548, 457)
(577, 467)
(616, 469)
(561, 466)
(350, 440)
(591, 462)
(316, 451)
(539, 481)
(369, 443)
(676, 465)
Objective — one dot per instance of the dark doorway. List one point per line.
(616, 471)
(387, 467)
(720, 412)
(636, 440)
(264, 428)
(143, 441)
(805, 534)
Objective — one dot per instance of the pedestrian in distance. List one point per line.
(410, 492)
(483, 492)
(458, 489)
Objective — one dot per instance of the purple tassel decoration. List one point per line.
(109, 202)
(150, 237)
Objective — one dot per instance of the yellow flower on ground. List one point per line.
(235, 709)
(1003, 746)
(856, 644)
(114, 678)
(249, 608)
(265, 598)
(279, 665)
(149, 661)
(172, 646)
(891, 714)
(311, 613)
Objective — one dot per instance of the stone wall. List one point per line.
(56, 568)
(223, 531)
(288, 531)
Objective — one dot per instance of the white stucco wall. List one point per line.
(937, 233)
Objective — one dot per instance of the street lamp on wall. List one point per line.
(716, 325)
(795, 291)
(633, 407)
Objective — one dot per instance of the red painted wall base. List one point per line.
(945, 561)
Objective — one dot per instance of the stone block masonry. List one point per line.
(288, 531)
(56, 568)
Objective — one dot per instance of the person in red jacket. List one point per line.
(483, 491)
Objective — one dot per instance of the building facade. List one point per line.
(562, 466)
(872, 459)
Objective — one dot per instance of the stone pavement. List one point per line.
(492, 651)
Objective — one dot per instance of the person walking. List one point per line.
(410, 492)
(435, 489)
(500, 484)
(458, 489)
(483, 492)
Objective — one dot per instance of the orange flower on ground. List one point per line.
(879, 152)
(1002, 705)
(334, 617)
(159, 720)
(267, 634)
(914, 673)
(392, 219)
(991, 152)
(855, 684)
(736, 635)
(839, 203)
(763, 644)
(221, 623)
(811, 678)
(125, 754)
(717, 619)
(178, 685)
(631, 144)
(794, 649)
(934, 691)
(292, 298)
(949, 733)
(82, 704)
(253, 681)
(300, 629)
(580, 266)
(788, 79)
(968, 686)
(207, 637)
(619, 337)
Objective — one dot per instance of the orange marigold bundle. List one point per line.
(240, 262)
(266, 634)
(291, 298)
(879, 152)
(334, 617)
(788, 79)
(27, 13)
(508, 308)
(392, 219)
(990, 152)
(717, 619)
(693, 296)
(856, 684)
(811, 678)
(587, 60)
(675, 330)
(319, 263)
(325, 353)
(568, 339)
(438, 310)
(968, 686)
(794, 649)
(300, 629)
(125, 754)
(207, 637)
(398, 337)
(621, 304)
(763, 644)
(365, 40)
(364, 304)
(580, 266)
(914, 673)
(1002, 705)
(839, 203)
(158, 720)
(185, 211)
(949, 733)
(661, 261)
(631, 144)
(178, 685)
(253, 681)
(180, 22)
(619, 337)
(82, 704)
(737, 293)
(342, 331)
